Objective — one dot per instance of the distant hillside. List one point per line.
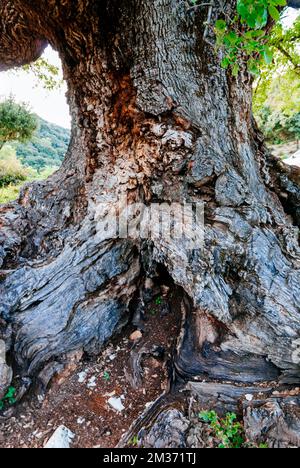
(47, 149)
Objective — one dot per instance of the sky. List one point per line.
(52, 105)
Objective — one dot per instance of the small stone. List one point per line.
(249, 397)
(92, 382)
(61, 438)
(116, 404)
(80, 421)
(82, 376)
(137, 335)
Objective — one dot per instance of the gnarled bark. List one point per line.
(155, 118)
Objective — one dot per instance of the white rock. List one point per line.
(80, 421)
(92, 382)
(116, 403)
(249, 397)
(82, 376)
(61, 438)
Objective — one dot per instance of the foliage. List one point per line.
(134, 441)
(278, 127)
(227, 430)
(11, 170)
(46, 149)
(10, 193)
(35, 160)
(16, 122)
(158, 301)
(8, 398)
(276, 100)
(13, 175)
(245, 39)
(46, 73)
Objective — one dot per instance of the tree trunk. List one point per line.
(155, 119)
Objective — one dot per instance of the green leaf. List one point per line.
(225, 63)
(221, 25)
(280, 2)
(11, 393)
(253, 67)
(274, 13)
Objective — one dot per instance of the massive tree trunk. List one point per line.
(155, 119)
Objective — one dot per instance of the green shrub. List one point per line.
(9, 398)
(227, 430)
(10, 193)
(11, 170)
(16, 122)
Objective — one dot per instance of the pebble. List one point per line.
(61, 438)
(116, 403)
(82, 376)
(137, 335)
(92, 382)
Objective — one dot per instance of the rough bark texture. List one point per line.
(157, 119)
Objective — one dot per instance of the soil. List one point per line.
(285, 150)
(78, 397)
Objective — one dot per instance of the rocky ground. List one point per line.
(122, 398)
(98, 399)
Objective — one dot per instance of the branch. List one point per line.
(289, 57)
(19, 43)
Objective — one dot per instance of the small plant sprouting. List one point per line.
(106, 376)
(134, 441)
(227, 430)
(158, 301)
(9, 398)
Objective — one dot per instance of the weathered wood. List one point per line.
(275, 421)
(6, 372)
(155, 118)
(224, 397)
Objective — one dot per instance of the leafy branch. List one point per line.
(245, 38)
(45, 73)
(227, 430)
